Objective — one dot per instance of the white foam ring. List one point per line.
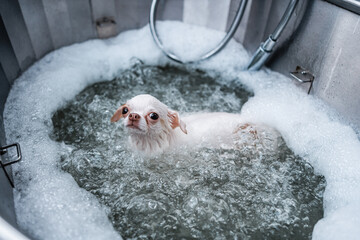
(50, 205)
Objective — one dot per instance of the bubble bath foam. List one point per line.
(78, 179)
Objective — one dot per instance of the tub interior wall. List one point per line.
(29, 29)
(333, 34)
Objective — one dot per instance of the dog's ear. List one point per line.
(175, 121)
(118, 114)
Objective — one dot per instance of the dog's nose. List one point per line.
(134, 117)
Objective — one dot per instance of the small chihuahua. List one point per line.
(153, 127)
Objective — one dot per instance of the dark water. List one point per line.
(257, 192)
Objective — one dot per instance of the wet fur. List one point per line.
(151, 137)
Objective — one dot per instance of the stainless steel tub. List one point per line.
(322, 38)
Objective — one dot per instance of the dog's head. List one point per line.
(147, 118)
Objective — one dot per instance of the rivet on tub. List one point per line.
(106, 27)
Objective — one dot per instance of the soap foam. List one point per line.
(50, 205)
(201, 193)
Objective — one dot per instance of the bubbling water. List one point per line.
(210, 193)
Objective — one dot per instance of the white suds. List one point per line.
(50, 205)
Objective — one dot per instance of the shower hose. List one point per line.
(220, 46)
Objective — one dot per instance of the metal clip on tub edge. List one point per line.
(303, 76)
(3, 150)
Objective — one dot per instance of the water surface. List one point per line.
(261, 191)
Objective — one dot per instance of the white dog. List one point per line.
(153, 127)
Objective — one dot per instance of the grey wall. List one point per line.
(9, 69)
(322, 37)
(327, 44)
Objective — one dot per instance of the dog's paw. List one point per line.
(256, 138)
(246, 128)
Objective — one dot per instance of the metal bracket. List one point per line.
(303, 76)
(4, 150)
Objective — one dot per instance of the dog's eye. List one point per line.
(154, 116)
(125, 110)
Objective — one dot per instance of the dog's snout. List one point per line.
(134, 117)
